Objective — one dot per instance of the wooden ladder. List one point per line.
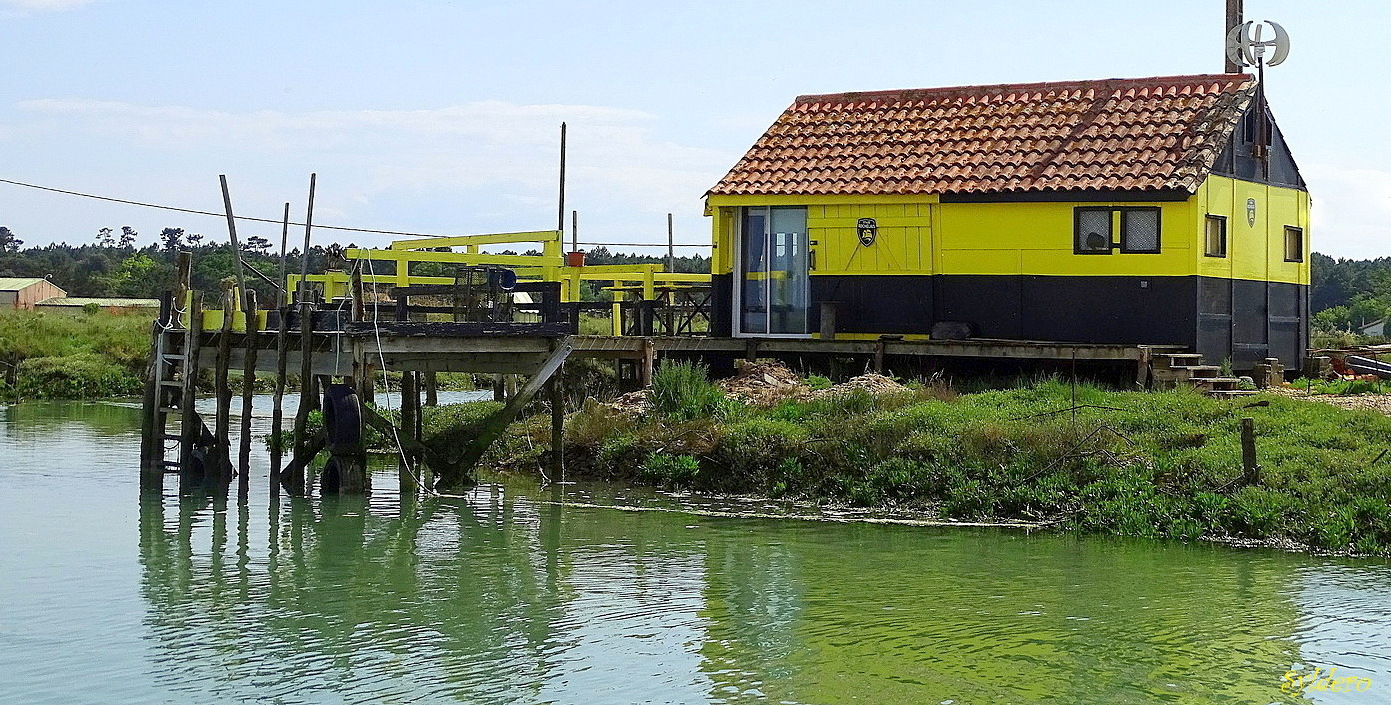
(169, 392)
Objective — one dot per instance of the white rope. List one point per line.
(386, 381)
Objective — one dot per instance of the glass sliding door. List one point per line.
(774, 281)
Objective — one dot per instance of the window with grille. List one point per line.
(1140, 230)
(1215, 236)
(1092, 231)
(1294, 244)
(1093, 228)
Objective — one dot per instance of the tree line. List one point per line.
(113, 265)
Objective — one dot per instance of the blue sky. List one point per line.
(442, 117)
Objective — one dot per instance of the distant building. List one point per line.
(18, 293)
(107, 305)
(1375, 328)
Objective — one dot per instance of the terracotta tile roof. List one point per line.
(1141, 133)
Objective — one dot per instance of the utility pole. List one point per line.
(1233, 21)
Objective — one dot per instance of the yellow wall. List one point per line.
(1035, 238)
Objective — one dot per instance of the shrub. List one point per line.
(670, 470)
(80, 376)
(682, 390)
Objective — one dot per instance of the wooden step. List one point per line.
(1215, 383)
(1232, 393)
(1176, 360)
(1203, 370)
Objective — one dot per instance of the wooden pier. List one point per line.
(515, 317)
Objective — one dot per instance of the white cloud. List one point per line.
(480, 158)
(45, 5)
(1351, 215)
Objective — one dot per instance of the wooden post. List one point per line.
(294, 482)
(828, 320)
(671, 246)
(432, 391)
(248, 388)
(647, 363)
(410, 410)
(222, 429)
(282, 350)
(232, 234)
(1251, 470)
(1233, 19)
(191, 426)
(879, 357)
(557, 394)
(363, 369)
(499, 387)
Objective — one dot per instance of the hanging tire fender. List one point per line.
(342, 420)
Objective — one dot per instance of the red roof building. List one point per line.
(987, 206)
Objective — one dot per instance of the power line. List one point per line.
(177, 209)
(251, 219)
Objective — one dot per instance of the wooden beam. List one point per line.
(248, 388)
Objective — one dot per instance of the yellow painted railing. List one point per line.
(549, 266)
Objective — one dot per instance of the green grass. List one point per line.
(1161, 464)
(66, 356)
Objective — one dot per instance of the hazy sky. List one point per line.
(442, 117)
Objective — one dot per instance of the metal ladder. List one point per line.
(169, 393)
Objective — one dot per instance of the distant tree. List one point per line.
(106, 238)
(194, 239)
(173, 238)
(128, 235)
(8, 241)
(256, 245)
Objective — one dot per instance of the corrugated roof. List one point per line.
(1161, 133)
(17, 283)
(100, 301)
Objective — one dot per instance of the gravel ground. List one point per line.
(1374, 402)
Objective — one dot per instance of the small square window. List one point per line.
(1215, 237)
(1092, 231)
(1140, 230)
(1294, 244)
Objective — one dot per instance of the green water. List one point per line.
(515, 595)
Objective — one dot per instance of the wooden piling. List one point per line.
(248, 388)
(282, 349)
(1251, 470)
(432, 389)
(647, 363)
(557, 395)
(293, 481)
(191, 425)
(410, 412)
(222, 429)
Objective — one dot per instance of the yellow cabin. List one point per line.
(1136, 211)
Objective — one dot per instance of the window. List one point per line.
(1140, 230)
(1092, 231)
(1294, 244)
(1093, 228)
(1215, 236)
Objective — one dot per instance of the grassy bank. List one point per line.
(71, 356)
(1152, 464)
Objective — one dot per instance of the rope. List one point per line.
(386, 381)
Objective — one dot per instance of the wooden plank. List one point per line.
(455, 330)
(190, 425)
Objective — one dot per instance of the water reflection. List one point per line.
(514, 594)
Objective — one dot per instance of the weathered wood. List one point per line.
(189, 422)
(455, 475)
(432, 388)
(647, 364)
(292, 478)
(222, 429)
(557, 394)
(248, 388)
(828, 320)
(478, 329)
(410, 413)
(282, 347)
(232, 234)
(1251, 470)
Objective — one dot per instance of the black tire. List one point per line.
(342, 420)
